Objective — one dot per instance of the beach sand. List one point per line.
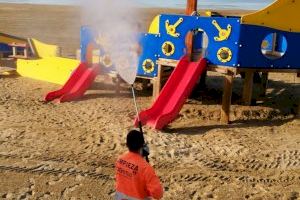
(67, 151)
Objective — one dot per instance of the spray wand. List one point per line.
(145, 147)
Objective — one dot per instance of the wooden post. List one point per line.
(248, 87)
(190, 8)
(264, 83)
(154, 91)
(118, 85)
(157, 83)
(26, 52)
(159, 78)
(89, 53)
(226, 100)
(189, 45)
(14, 49)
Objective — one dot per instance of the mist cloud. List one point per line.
(116, 21)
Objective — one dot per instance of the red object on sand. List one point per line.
(174, 94)
(77, 84)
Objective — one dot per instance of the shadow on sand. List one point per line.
(198, 130)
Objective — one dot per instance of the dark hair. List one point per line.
(135, 140)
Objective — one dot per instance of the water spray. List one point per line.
(117, 35)
(136, 109)
(145, 147)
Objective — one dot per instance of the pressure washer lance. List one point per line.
(146, 150)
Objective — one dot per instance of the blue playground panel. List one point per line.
(250, 55)
(244, 45)
(5, 48)
(152, 43)
(87, 37)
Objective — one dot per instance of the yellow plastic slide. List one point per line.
(47, 66)
(52, 69)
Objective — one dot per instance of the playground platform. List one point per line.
(229, 74)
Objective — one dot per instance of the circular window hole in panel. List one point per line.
(168, 48)
(148, 66)
(198, 39)
(274, 46)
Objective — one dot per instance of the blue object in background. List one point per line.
(4, 48)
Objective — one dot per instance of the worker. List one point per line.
(135, 177)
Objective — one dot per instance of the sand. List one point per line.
(67, 151)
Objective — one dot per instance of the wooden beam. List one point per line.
(167, 62)
(189, 40)
(226, 100)
(155, 91)
(191, 6)
(214, 68)
(157, 83)
(264, 83)
(14, 50)
(225, 69)
(118, 85)
(248, 88)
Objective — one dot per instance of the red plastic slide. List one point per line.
(77, 84)
(174, 94)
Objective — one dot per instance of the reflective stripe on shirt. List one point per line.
(122, 196)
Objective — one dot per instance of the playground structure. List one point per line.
(265, 41)
(93, 61)
(40, 61)
(77, 84)
(7, 50)
(35, 59)
(172, 97)
(7, 44)
(46, 64)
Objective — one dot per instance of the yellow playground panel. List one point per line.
(154, 26)
(47, 66)
(52, 69)
(282, 15)
(43, 50)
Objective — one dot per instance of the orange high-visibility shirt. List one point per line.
(136, 178)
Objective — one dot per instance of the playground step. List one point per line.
(18, 56)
